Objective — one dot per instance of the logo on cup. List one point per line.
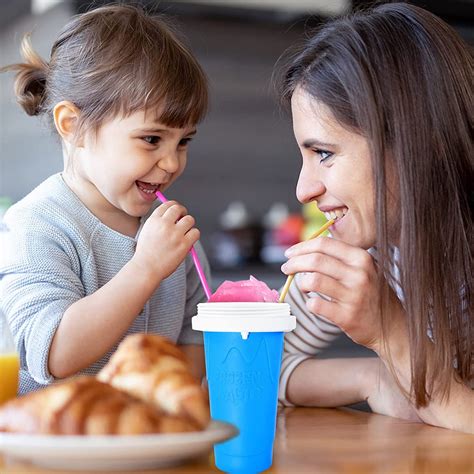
(240, 386)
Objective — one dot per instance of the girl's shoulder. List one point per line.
(52, 198)
(51, 208)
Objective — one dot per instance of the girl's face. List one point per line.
(117, 172)
(336, 171)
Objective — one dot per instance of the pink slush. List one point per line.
(251, 290)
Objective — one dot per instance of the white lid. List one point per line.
(244, 317)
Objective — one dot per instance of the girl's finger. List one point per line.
(186, 223)
(192, 236)
(175, 212)
(162, 208)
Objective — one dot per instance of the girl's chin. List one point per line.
(137, 211)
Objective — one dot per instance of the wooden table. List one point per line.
(316, 440)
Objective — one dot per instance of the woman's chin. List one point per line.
(362, 243)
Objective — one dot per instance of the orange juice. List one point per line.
(9, 369)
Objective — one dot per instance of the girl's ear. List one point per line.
(66, 119)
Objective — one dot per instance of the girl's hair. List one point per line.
(114, 60)
(403, 78)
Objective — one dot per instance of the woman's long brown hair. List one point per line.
(403, 78)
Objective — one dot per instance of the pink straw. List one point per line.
(194, 254)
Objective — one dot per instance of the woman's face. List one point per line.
(336, 171)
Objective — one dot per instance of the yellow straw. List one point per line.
(284, 292)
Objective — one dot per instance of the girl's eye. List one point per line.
(184, 142)
(325, 155)
(151, 139)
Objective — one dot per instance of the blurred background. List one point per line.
(243, 165)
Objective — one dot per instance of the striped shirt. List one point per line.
(311, 336)
(314, 333)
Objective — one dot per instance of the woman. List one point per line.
(382, 113)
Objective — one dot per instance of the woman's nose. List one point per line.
(309, 187)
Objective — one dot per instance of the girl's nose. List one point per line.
(309, 187)
(169, 162)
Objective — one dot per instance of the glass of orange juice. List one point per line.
(9, 362)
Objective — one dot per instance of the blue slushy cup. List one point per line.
(243, 345)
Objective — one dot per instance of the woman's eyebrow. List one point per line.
(313, 142)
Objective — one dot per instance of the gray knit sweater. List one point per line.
(57, 252)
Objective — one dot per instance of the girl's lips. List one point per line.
(147, 190)
(150, 187)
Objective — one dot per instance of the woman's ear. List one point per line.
(66, 119)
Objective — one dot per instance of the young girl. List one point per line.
(90, 257)
(383, 114)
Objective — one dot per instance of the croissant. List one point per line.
(153, 369)
(85, 406)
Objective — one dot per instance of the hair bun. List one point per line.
(30, 80)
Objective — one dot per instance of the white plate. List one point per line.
(113, 452)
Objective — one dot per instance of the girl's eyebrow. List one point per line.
(161, 130)
(313, 142)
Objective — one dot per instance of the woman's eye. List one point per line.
(151, 139)
(325, 155)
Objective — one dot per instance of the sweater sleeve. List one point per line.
(311, 335)
(39, 280)
(194, 294)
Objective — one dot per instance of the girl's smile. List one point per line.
(147, 190)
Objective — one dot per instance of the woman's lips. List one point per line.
(336, 213)
(337, 224)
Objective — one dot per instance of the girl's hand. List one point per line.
(348, 276)
(165, 239)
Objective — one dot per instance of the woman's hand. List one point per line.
(166, 238)
(348, 276)
(383, 394)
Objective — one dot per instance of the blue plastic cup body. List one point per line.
(243, 377)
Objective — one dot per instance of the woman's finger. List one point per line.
(350, 255)
(321, 307)
(319, 262)
(320, 283)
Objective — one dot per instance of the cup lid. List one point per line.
(244, 317)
